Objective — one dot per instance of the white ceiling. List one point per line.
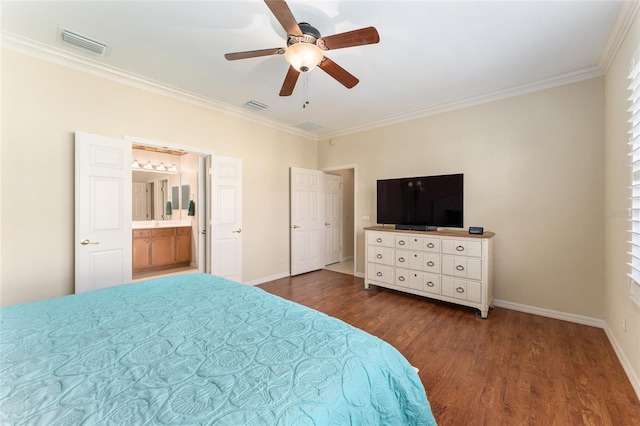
(432, 55)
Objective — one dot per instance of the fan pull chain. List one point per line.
(306, 90)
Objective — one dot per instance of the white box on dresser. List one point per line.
(452, 266)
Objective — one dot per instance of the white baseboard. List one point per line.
(580, 319)
(626, 365)
(267, 279)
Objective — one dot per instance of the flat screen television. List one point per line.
(421, 203)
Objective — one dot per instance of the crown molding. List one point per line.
(626, 15)
(535, 86)
(41, 51)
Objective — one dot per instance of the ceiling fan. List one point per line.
(305, 47)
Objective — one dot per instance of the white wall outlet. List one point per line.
(366, 217)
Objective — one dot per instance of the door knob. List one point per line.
(203, 232)
(237, 231)
(85, 242)
(295, 227)
(327, 224)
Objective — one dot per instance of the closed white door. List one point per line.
(333, 218)
(102, 211)
(227, 218)
(307, 220)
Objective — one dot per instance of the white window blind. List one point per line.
(634, 142)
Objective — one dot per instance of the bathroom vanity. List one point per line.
(160, 245)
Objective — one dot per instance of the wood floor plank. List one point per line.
(512, 369)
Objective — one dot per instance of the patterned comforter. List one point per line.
(197, 349)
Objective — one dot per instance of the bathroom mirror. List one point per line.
(153, 197)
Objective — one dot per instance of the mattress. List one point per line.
(197, 349)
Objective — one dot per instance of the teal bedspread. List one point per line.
(197, 349)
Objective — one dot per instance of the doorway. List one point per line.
(167, 198)
(347, 235)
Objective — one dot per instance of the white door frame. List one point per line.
(191, 150)
(355, 207)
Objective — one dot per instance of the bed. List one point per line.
(197, 349)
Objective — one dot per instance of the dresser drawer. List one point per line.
(423, 281)
(381, 273)
(431, 263)
(462, 289)
(381, 255)
(384, 239)
(463, 267)
(411, 242)
(462, 248)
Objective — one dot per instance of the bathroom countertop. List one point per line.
(150, 224)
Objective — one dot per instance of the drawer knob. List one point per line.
(430, 245)
(379, 240)
(379, 274)
(430, 263)
(401, 259)
(400, 278)
(401, 242)
(460, 248)
(460, 267)
(430, 284)
(460, 289)
(379, 256)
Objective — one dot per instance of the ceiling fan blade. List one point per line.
(359, 37)
(336, 71)
(254, 53)
(289, 82)
(283, 14)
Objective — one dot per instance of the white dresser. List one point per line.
(453, 266)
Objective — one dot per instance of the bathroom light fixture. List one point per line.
(150, 167)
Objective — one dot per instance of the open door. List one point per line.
(333, 218)
(102, 211)
(227, 217)
(307, 220)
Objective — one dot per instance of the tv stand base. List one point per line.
(416, 228)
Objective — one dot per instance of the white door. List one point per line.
(307, 220)
(333, 218)
(227, 218)
(102, 212)
(139, 201)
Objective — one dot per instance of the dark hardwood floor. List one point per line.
(512, 369)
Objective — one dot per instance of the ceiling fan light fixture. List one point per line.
(303, 56)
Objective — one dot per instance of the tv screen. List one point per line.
(427, 201)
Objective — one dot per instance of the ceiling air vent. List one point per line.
(309, 125)
(82, 42)
(258, 106)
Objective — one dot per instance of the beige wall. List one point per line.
(618, 306)
(533, 174)
(48, 103)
